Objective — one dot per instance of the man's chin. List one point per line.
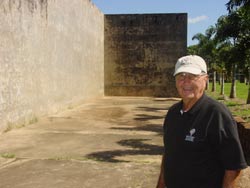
(187, 95)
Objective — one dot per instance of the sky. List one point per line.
(201, 13)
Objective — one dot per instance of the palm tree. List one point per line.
(248, 97)
(234, 4)
(248, 71)
(207, 49)
(223, 53)
(233, 32)
(227, 32)
(239, 16)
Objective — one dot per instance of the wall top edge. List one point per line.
(147, 14)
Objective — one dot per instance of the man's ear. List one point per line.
(205, 80)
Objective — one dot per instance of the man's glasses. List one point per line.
(183, 76)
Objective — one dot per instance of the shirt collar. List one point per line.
(196, 106)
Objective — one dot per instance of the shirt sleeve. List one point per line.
(226, 141)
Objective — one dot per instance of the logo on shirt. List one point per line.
(190, 137)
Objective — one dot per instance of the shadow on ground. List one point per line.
(137, 148)
(144, 122)
(148, 127)
(152, 109)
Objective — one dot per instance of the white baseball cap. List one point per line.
(193, 64)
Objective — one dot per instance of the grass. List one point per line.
(8, 155)
(21, 124)
(241, 90)
(237, 106)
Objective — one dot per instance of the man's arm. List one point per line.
(161, 182)
(230, 178)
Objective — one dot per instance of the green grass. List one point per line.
(241, 90)
(237, 106)
(8, 155)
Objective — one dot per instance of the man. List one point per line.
(202, 147)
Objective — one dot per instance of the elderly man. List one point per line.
(202, 147)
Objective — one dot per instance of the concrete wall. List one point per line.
(51, 57)
(140, 53)
(244, 134)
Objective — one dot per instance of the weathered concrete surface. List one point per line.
(47, 49)
(141, 51)
(109, 142)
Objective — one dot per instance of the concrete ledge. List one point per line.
(244, 134)
(140, 90)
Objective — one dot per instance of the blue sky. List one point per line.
(201, 13)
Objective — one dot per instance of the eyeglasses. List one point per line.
(182, 76)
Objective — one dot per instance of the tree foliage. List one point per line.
(226, 45)
(234, 4)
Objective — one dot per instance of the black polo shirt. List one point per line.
(200, 145)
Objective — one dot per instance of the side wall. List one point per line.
(244, 134)
(51, 57)
(141, 51)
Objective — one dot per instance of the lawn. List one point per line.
(237, 106)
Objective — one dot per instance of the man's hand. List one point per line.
(161, 182)
(230, 178)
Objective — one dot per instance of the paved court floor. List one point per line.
(113, 142)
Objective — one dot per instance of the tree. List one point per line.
(239, 14)
(248, 97)
(247, 72)
(192, 50)
(223, 52)
(207, 49)
(228, 31)
(234, 4)
(230, 39)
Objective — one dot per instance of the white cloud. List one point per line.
(197, 19)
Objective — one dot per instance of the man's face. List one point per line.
(190, 86)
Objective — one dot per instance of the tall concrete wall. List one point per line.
(140, 53)
(244, 134)
(51, 57)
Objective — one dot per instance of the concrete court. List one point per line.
(113, 142)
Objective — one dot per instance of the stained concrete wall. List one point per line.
(244, 134)
(140, 53)
(51, 57)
